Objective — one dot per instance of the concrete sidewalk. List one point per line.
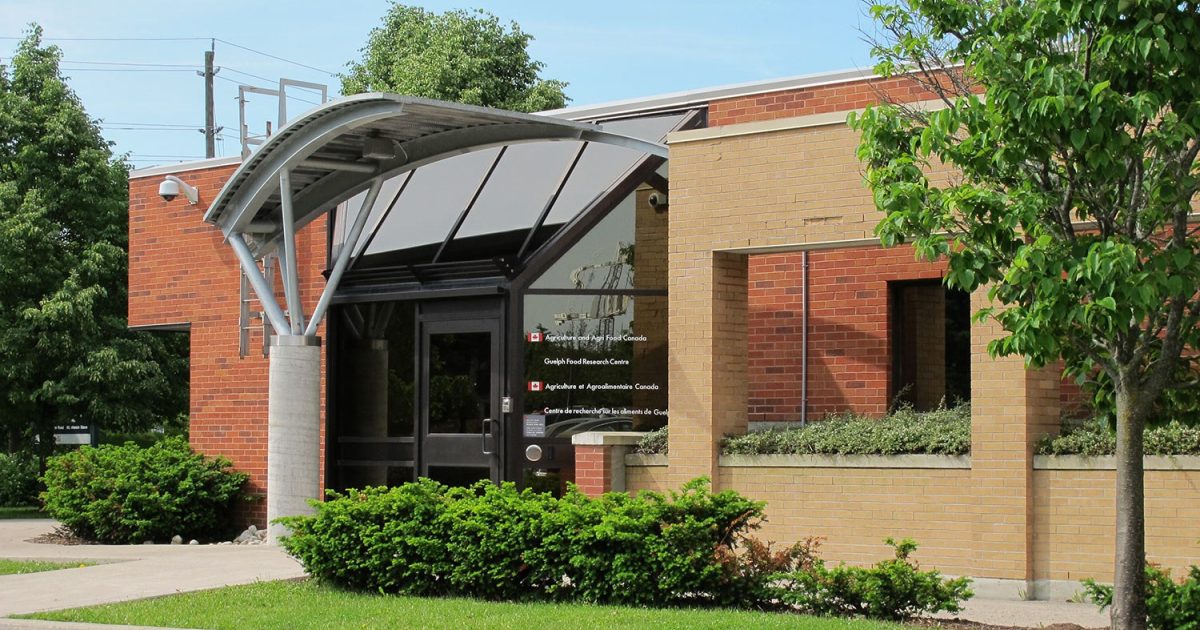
(139, 571)
(126, 571)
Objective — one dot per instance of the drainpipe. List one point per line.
(804, 343)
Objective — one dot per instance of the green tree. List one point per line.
(1072, 203)
(460, 56)
(65, 352)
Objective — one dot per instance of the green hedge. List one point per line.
(18, 479)
(496, 542)
(129, 494)
(945, 431)
(1097, 437)
(941, 432)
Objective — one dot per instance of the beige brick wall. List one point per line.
(1074, 511)
(648, 478)
(856, 508)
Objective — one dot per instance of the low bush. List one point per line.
(130, 494)
(1170, 605)
(894, 589)
(499, 543)
(18, 480)
(653, 443)
(688, 548)
(1097, 437)
(945, 431)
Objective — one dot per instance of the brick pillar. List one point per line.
(600, 460)
(1011, 408)
(707, 360)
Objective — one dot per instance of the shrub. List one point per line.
(650, 549)
(129, 494)
(501, 543)
(1096, 438)
(653, 443)
(945, 431)
(894, 589)
(18, 480)
(1170, 605)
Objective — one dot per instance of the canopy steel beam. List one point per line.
(265, 296)
(292, 277)
(343, 258)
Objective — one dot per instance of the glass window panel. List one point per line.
(431, 202)
(603, 165)
(522, 184)
(602, 259)
(589, 372)
(348, 210)
(375, 378)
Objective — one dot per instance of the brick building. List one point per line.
(756, 295)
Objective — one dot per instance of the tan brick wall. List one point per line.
(855, 509)
(1075, 511)
(648, 478)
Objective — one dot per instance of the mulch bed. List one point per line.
(60, 536)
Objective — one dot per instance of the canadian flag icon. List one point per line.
(535, 386)
(533, 337)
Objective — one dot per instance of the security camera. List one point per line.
(172, 187)
(658, 201)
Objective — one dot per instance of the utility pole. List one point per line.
(210, 129)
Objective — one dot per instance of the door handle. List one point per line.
(484, 433)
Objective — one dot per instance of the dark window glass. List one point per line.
(460, 368)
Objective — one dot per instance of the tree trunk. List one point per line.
(1129, 589)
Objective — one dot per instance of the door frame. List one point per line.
(447, 317)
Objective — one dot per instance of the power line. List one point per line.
(294, 63)
(130, 63)
(116, 39)
(256, 76)
(177, 39)
(125, 70)
(267, 88)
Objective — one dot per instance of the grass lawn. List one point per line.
(21, 512)
(299, 605)
(11, 567)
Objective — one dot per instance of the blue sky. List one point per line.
(605, 51)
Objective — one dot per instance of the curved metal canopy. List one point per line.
(344, 147)
(336, 151)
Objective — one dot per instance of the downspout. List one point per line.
(804, 343)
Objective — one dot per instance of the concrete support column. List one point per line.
(293, 428)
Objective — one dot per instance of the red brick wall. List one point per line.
(849, 330)
(837, 97)
(181, 270)
(593, 469)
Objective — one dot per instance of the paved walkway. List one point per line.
(137, 571)
(126, 571)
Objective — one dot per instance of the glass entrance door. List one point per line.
(460, 421)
